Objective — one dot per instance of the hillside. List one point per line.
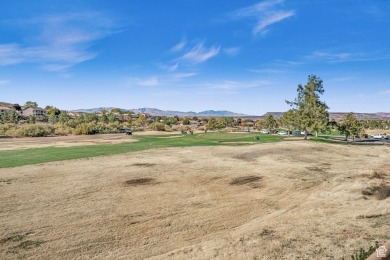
(340, 115)
(4, 104)
(158, 112)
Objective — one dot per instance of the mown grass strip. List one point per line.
(20, 157)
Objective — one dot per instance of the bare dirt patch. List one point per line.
(141, 181)
(244, 180)
(144, 164)
(180, 204)
(63, 141)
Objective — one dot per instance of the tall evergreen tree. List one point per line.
(312, 112)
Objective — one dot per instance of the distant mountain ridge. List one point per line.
(219, 113)
(158, 112)
(4, 104)
(340, 115)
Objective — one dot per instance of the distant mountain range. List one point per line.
(219, 113)
(158, 112)
(340, 115)
(4, 104)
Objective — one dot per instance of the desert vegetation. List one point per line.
(308, 113)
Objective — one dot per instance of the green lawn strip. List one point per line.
(13, 158)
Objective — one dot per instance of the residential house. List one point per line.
(34, 111)
(4, 110)
(74, 114)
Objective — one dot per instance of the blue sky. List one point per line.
(192, 55)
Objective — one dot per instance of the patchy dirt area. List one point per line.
(287, 200)
(62, 141)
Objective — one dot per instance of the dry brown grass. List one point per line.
(198, 203)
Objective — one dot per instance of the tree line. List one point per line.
(308, 114)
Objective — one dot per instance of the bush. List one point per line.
(85, 129)
(7, 129)
(62, 130)
(33, 131)
(156, 126)
(363, 254)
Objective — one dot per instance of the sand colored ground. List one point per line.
(287, 200)
(71, 140)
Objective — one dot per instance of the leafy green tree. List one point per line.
(63, 118)
(52, 118)
(186, 121)
(312, 112)
(322, 120)
(270, 123)
(52, 110)
(111, 117)
(157, 126)
(17, 107)
(350, 126)
(221, 123)
(170, 121)
(141, 120)
(289, 120)
(103, 117)
(31, 104)
(116, 110)
(212, 123)
(31, 120)
(12, 116)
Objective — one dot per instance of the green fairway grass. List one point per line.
(13, 158)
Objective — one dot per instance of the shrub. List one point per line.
(62, 130)
(157, 126)
(363, 254)
(33, 131)
(85, 129)
(7, 129)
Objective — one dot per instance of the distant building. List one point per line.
(75, 114)
(34, 111)
(4, 110)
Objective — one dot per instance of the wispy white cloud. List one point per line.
(160, 80)
(169, 67)
(64, 41)
(342, 79)
(233, 51)
(236, 85)
(329, 56)
(386, 92)
(4, 81)
(10, 54)
(270, 19)
(266, 13)
(180, 76)
(265, 71)
(199, 53)
(180, 46)
(148, 82)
